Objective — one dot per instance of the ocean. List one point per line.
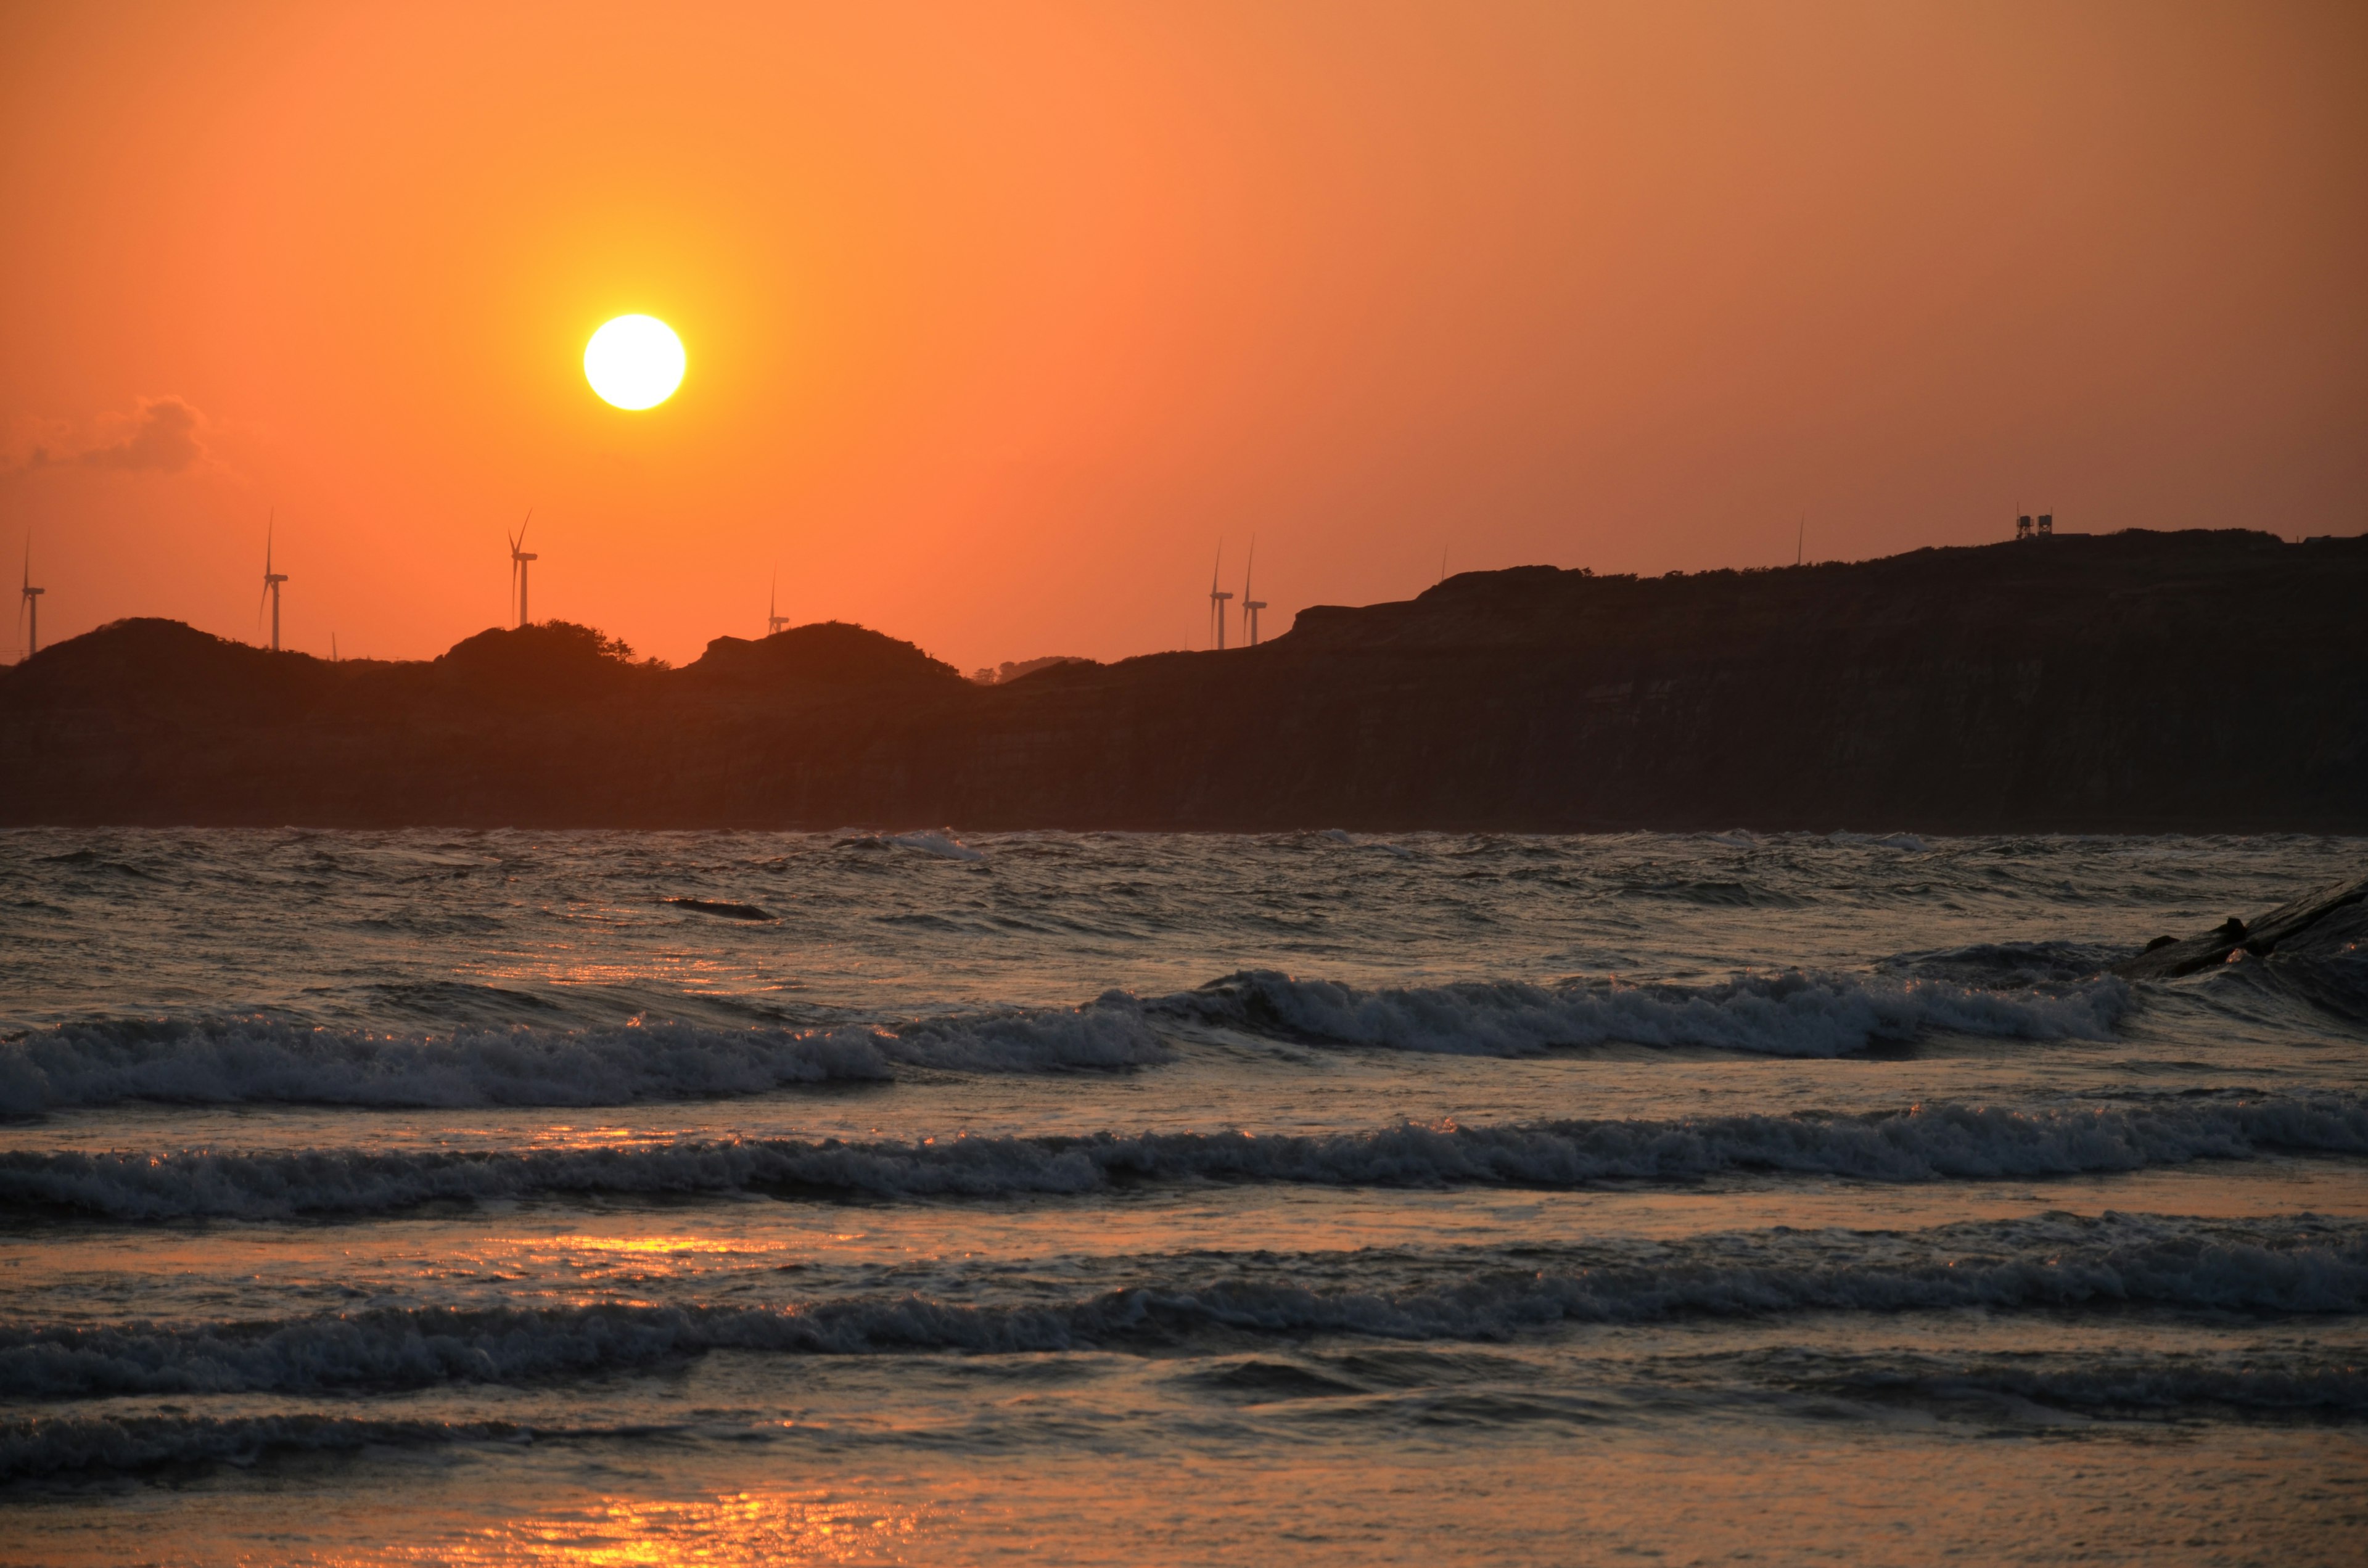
(454, 1197)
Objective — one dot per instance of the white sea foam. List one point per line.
(1784, 1015)
(2063, 1263)
(944, 846)
(216, 1062)
(1930, 1143)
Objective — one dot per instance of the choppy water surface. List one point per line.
(430, 1196)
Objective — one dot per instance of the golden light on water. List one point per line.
(743, 1528)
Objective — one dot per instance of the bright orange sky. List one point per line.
(1000, 317)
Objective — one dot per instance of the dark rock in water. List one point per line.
(716, 906)
(2165, 958)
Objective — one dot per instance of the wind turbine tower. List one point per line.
(1250, 607)
(271, 581)
(520, 559)
(1217, 598)
(29, 604)
(774, 620)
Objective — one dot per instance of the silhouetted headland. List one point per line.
(2194, 682)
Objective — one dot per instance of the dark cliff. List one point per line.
(2131, 682)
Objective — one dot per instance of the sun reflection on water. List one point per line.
(658, 1246)
(734, 1527)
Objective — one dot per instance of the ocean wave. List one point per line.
(2177, 1384)
(216, 1061)
(1343, 836)
(2020, 965)
(1936, 1142)
(2106, 1385)
(64, 1444)
(1911, 843)
(2015, 1385)
(939, 845)
(2116, 1262)
(234, 1061)
(1783, 1014)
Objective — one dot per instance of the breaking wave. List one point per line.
(1926, 1143)
(939, 845)
(1785, 1015)
(220, 1062)
(2062, 1263)
(242, 1060)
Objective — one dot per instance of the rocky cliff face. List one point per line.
(2135, 682)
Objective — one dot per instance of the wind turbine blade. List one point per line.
(1251, 565)
(521, 538)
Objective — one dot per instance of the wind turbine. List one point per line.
(1216, 598)
(519, 560)
(271, 581)
(28, 605)
(1250, 607)
(774, 620)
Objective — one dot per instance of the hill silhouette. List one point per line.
(2198, 681)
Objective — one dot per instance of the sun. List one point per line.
(635, 363)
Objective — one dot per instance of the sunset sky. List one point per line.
(999, 318)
